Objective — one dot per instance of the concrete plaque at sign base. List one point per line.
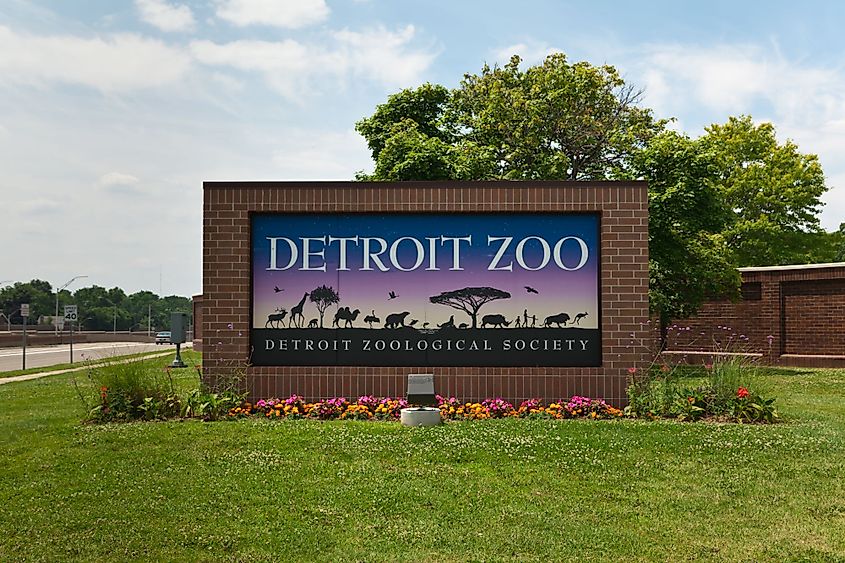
(420, 416)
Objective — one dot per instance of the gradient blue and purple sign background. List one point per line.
(557, 290)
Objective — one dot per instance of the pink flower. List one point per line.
(632, 371)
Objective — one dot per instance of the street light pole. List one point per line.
(56, 318)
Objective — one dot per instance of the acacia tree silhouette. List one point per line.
(470, 299)
(322, 297)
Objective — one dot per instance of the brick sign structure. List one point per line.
(501, 289)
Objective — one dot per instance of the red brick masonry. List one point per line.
(623, 207)
(802, 309)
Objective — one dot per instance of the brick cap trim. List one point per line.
(792, 267)
(347, 184)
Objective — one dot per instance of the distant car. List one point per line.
(163, 337)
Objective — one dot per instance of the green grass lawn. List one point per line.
(487, 490)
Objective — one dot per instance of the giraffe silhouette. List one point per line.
(296, 312)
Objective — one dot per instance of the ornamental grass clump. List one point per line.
(119, 390)
(724, 387)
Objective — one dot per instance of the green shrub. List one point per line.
(127, 390)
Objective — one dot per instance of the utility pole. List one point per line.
(149, 317)
(59, 290)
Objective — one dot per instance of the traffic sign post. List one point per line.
(25, 315)
(71, 316)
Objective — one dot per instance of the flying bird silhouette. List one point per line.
(277, 290)
(392, 295)
(530, 289)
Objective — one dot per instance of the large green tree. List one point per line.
(736, 196)
(556, 120)
(689, 261)
(773, 189)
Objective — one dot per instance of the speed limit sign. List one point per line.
(71, 314)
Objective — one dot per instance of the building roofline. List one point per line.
(792, 267)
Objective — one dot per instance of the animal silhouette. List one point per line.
(296, 315)
(559, 319)
(463, 325)
(313, 323)
(425, 325)
(448, 324)
(495, 320)
(277, 290)
(395, 320)
(530, 289)
(372, 318)
(579, 316)
(343, 314)
(392, 295)
(413, 322)
(276, 318)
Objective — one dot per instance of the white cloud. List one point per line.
(289, 65)
(289, 14)
(532, 52)
(806, 103)
(164, 16)
(116, 63)
(731, 79)
(320, 155)
(382, 54)
(38, 207)
(117, 179)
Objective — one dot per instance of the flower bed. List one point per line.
(368, 407)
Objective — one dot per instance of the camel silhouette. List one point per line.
(343, 314)
(296, 315)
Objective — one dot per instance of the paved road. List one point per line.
(42, 356)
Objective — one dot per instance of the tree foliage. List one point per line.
(734, 197)
(323, 297)
(773, 190)
(552, 121)
(99, 308)
(470, 299)
(689, 261)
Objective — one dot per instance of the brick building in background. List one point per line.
(787, 315)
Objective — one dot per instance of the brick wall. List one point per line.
(624, 279)
(792, 315)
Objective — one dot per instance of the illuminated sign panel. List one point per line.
(425, 290)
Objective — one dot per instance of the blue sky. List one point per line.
(113, 113)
